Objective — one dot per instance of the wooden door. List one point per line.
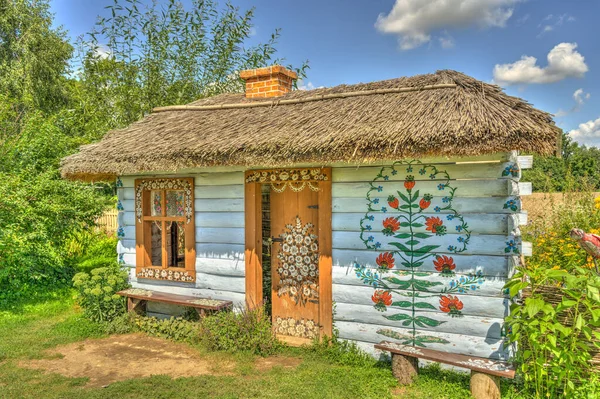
(295, 264)
(300, 213)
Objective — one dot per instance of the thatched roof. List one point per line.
(442, 114)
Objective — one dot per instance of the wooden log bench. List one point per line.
(485, 373)
(137, 299)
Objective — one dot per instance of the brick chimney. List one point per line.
(271, 81)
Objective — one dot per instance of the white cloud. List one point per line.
(102, 51)
(307, 85)
(415, 20)
(446, 41)
(580, 97)
(563, 62)
(551, 22)
(587, 133)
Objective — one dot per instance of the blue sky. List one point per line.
(545, 51)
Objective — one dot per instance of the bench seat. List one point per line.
(137, 298)
(485, 373)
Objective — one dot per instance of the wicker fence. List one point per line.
(108, 221)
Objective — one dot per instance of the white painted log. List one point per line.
(219, 267)
(219, 192)
(460, 204)
(202, 219)
(474, 305)
(525, 161)
(220, 235)
(458, 343)
(218, 179)
(219, 205)
(478, 244)
(203, 250)
(220, 283)
(466, 325)
(480, 223)
(492, 286)
(464, 188)
(490, 265)
(487, 170)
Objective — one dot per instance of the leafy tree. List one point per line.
(141, 57)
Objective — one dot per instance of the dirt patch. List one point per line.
(267, 363)
(123, 357)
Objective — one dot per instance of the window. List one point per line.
(165, 235)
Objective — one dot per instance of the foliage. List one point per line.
(34, 56)
(144, 56)
(175, 328)
(97, 292)
(38, 212)
(89, 249)
(577, 168)
(561, 312)
(240, 330)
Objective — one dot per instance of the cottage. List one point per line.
(388, 210)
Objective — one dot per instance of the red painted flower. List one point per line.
(393, 202)
(425, 201)
(390, 226)
(451, 304)
(435, 225)
(445, 265)
(409, 183)
(382, 299)
(385, 261)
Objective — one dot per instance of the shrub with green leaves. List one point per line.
(241, 330)
(97, 292)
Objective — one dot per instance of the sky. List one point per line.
(544, 51)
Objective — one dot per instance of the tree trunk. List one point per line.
(404, 368)
(485, 386)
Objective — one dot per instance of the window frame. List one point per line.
(142, 214)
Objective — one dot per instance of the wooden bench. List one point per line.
(137, 298)
(485, 373)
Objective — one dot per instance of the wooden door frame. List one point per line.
(253, 242)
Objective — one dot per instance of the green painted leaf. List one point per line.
(404, 224)
(404, 206)
(402, 284)
(426, 249)
(428, 321)
(422, 235)
(404, 197)
(424, 305)
(417, 225)
(415, 196)
(398, 316)
(400, 246)
(412, 242)
(402, 235)
(402, 304)
(406, 323)
(426, 284)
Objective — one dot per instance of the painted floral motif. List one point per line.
(512, 205)
(444, 265)
(165, 274)
(451, 305)
(156, 198)
(512, 246)
(120, 206)
(119, 183)
(301, 328)
(298, 266)
(121, 259)
(295, 179)
(411, 234)
(511, 170)
(403, 348)
(390, 226)
(120, 232)
(175, 203)
(382, 299)
(385, 261)
(164, 184)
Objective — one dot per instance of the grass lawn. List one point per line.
(28, 332)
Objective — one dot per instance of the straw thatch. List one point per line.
(442, 114)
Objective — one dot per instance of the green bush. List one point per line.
(241, 330)
(97, 292)
(89, 249)
(560, 319)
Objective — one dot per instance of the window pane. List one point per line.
(155, 197)
(176, 244)
(175, 203)
(156, 244)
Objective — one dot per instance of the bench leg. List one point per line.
(404, 368)
(136, 306)
(484, 386)
(201, 312)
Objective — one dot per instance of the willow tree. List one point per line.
(142, 56)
